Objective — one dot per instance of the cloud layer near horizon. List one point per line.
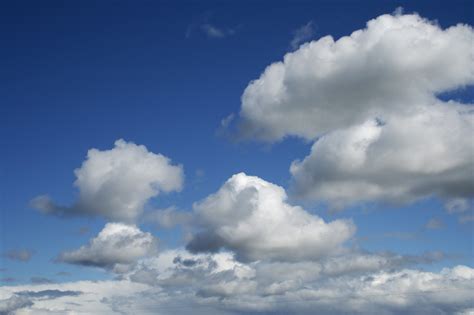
(178, 281)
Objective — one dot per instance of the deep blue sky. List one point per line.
(79, 75)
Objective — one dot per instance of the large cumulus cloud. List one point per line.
(252, 218)
(369, 102)
(395, 64)
(117, 183)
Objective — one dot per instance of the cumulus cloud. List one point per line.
(369, 102)
(394, 65)
(117, 183)
(401, 160)
(115, 248)
(252, 218)
(23, 255)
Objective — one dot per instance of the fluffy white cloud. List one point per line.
(115, 247)
(252, 218)
(369, 101)
(394, 65)
(117, 183)
(401, 159)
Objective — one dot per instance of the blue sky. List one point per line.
(80, 75)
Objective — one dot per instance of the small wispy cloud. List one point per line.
(211, 30)
(434, 224)
(23, 255)
(302, 34)
(41, 280)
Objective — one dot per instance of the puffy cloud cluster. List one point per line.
(252, 218)
(369, 101)
(117, 183)
(116, 247)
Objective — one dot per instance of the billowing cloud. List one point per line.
(369, 102)
(252, 218)
(115, 247)
(395, 65)
(403, 159)
(117, 183)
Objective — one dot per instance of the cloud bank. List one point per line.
(177, 281)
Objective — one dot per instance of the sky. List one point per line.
(222, 157)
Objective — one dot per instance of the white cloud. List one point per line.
(252, 218)
(395, 65)
(369, 102)
(117, 183)
(116, 247)
(400, 160)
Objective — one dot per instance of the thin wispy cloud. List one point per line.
(303, 34)
(22, 255)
